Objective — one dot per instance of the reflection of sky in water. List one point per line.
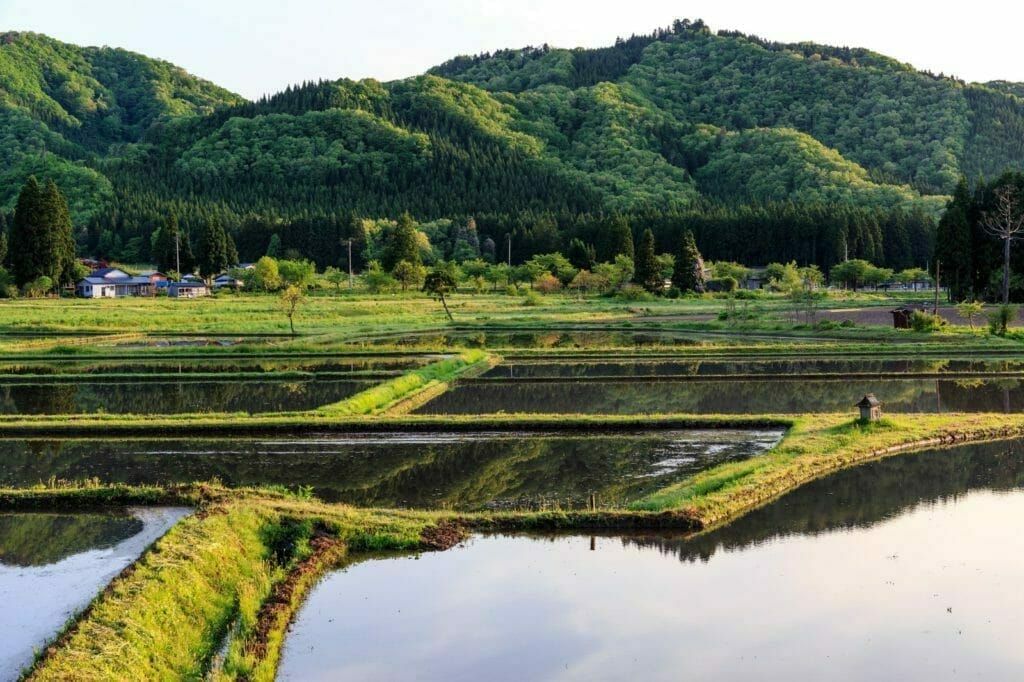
(38, 600)
(862, 604)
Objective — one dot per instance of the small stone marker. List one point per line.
(870, 408)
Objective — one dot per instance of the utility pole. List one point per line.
(350, 285)
(938, 283)
(508, 237)
(177, 255)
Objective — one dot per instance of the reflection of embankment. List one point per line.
(860, 497)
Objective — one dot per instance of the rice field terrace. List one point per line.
(356, 501)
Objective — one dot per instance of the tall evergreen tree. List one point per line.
(688, 271)
(167, 246)
(402, 245)
(62, 233)
(27, 242)
(647, 273)
(953, 244)
(3, 246)
(42, 242)
(213, 249)
(620, 239)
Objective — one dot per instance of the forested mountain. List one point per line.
(765, 151)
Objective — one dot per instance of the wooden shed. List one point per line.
(870, 408)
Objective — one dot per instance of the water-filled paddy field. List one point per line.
(720, 396)
(53, 564)
(174, 396)
(747, 367)
(425, 470)
(931, 595)
(143, 368)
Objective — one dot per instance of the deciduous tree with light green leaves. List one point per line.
(440, 283)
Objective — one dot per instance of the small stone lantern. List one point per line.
(870, 408)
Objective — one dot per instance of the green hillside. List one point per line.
(729, 135)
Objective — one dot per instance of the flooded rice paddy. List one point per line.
(711, 396)
(52, 565)
(174, 397)
(569, 369)
(933, 592)
(426, 471)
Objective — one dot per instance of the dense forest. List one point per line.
(765, 151)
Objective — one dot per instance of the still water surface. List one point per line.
(906, 569)
(425, 470)
(784, 396)
(52, 565)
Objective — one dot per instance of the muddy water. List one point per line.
(462, 471)
(52, 565)
(907, 569)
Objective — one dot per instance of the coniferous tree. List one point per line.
(167, 245)
(688, 271)
(274, 246)
(620, 239)
(3, 246)
(581, 255)
(647, 273)
(27, 241)
(58, 218)
(953, 244)
(213, 249)
(403, 244)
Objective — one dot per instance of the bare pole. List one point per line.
(350, 285)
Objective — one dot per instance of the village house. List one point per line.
(226, 280)
(159, 279)
(187, 290)
(114, 283)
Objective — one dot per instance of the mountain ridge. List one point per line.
(674, 123)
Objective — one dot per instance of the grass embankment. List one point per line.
(234, 572)
(410, 390)
(815, 446)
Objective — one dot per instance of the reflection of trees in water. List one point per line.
(651, 368)
(468, 474)
(191, 366)
(41, 539)
(174, 397)
(861, 497)
(728, 397)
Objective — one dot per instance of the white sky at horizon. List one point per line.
(255, 47)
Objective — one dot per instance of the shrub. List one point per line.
(547, 283)
(532, 298)
(921, 321)
(634, 292)
(1000, 318)
(673, 292)
(511, 290)
(38, 287)
(723, 284)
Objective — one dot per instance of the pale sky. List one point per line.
(259, 46)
